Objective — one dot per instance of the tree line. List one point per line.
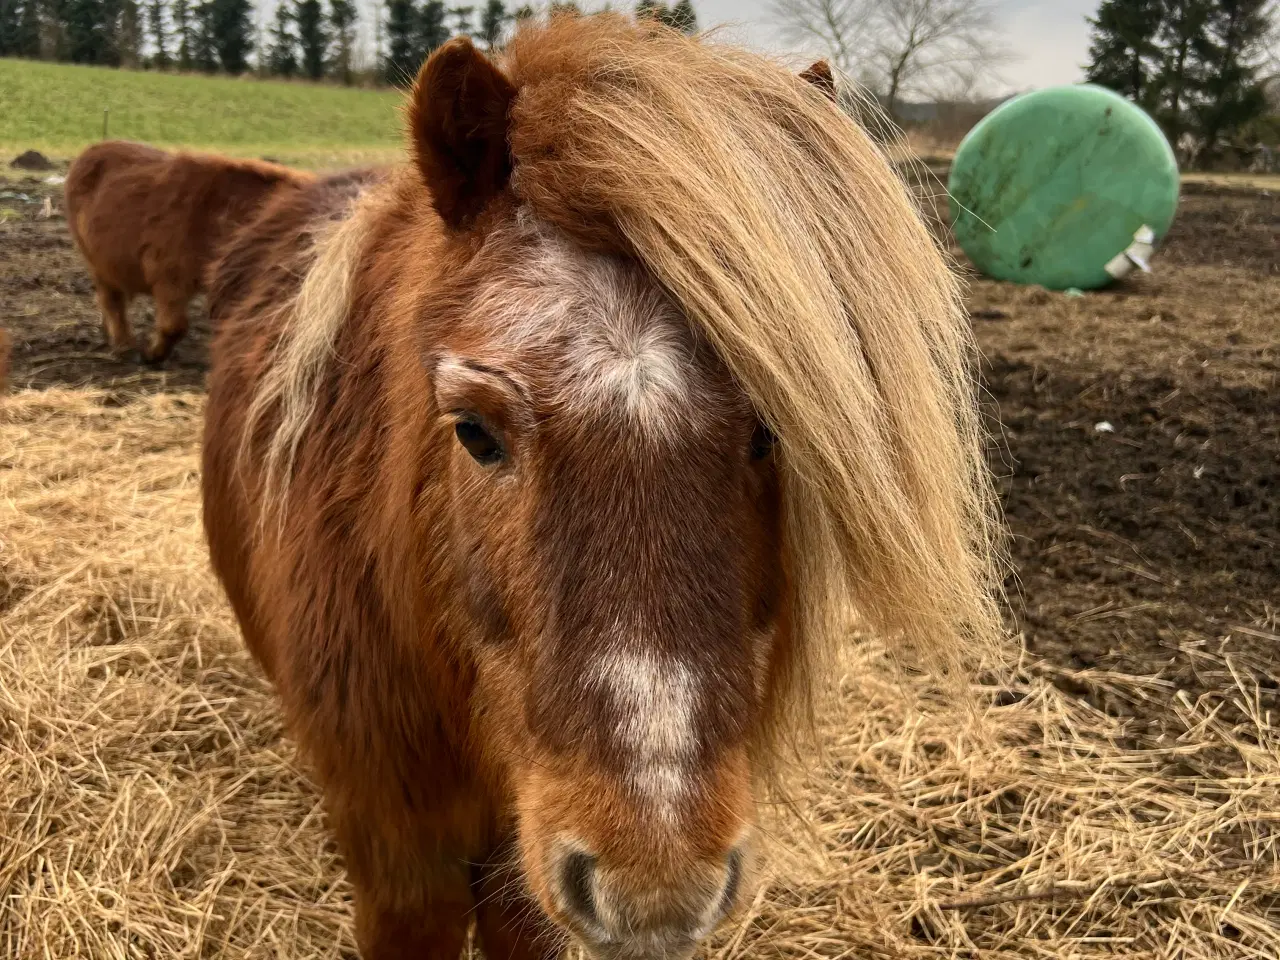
(210, 35)
(413, 30)
(312, 39)
(1197, 66)
(941, 50)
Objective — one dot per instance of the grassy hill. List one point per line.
(58, 109)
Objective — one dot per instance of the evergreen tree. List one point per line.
(683, 17)
(313, 38)
(232, 23)
(31, 19)
(159, 33)
(204, 38)
(432, 30)
(1237, 34)
(182, 34)
(27, 41)
(46, 22)
(10, 18)
(126, 35)
(342, 19)
(282, 57)
(1123, 51)
(90, 28)
(493, 19)
(402, 41)
(1184, 47)
(462, 20)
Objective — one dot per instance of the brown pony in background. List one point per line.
(147, 221)
(542, 473)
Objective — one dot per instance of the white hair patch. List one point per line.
(637, 368)
(655, 698)
(625, 349)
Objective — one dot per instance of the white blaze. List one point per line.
(655, 699)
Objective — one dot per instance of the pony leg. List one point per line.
(114, 305)
(407, 907)
(437, 931)
(509, 923)
(171, 324)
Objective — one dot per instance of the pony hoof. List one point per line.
(153, 360)
(128, 354)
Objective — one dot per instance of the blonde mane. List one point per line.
(315, 315)
(779, 227)
(772, 219)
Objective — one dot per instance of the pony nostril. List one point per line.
(614, 904)
(732, 883)
(728, 897)
(576, 884)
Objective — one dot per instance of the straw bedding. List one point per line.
(151, 806)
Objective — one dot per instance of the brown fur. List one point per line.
(819, 74)
(147, 222)
(540, 691)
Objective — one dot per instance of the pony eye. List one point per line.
(762, 442)
(479, 442)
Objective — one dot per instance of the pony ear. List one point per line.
(458, 117)
(820, 75)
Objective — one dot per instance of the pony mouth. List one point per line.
(599, 943)
(654, 946)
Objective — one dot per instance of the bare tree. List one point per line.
(925, 39)
(1271, 45)
(838, 27)
(901, 47)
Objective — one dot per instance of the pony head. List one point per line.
(699, 390)
(705, 392)
(617, 518)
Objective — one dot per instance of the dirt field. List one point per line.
(1132, 802)
(1134, 547)
(1141, 546)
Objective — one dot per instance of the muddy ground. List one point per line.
(1138, 452)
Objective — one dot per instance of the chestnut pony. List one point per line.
(147, 221)
(541, 471)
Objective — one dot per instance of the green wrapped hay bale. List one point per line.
(1064, 187)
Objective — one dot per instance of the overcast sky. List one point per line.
(1049, 38)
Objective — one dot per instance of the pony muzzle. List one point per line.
(630, 911)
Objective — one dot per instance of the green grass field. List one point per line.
(58, 109)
